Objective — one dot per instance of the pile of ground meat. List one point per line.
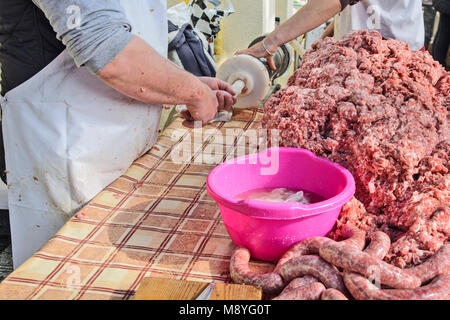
(381, 111)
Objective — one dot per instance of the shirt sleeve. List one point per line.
(94, 32)
(345, 3)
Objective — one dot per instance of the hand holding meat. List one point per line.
(226, 97)
(203, 107)
(218, 95)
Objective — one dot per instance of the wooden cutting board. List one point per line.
(170, 289)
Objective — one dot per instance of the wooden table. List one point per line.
(156, 220)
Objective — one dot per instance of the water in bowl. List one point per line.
(280, 195)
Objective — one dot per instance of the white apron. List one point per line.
(399, 19)
(67, 136)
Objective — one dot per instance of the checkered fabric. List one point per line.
(156, 220)
(206, 20)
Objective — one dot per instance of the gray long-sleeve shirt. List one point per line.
(94, 32)
(34, 32)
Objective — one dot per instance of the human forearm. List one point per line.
(140, 72)
(97, 34)
(312, 15)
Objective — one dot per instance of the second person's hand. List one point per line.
(258, 51)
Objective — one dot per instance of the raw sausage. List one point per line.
(355, 237)
(351, 259)
(379, 245)
(333, 294)
(438, 289)
(311, 291)
(295, 284)
(240, 273)
(308, 246)
(315, 266)
(363, 289)
(439, 263)
(299, 282)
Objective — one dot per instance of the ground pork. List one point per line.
(381, 111)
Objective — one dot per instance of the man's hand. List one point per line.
(204, 108)
(226, 97)
(223, 97)
(141, 73)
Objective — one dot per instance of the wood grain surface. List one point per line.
(170, 289)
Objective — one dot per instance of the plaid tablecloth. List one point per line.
(156, 220)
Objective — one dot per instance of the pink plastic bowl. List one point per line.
(268, 229)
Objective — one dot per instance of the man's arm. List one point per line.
(138, 71)
(312, 15)
(98, 36)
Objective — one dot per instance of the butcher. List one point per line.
(82, 88)
(400, 20)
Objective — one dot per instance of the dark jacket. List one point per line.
(27, 42)
(27, 45)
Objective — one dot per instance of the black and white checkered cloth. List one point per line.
(207, 20)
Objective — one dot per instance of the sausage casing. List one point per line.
(311, 291)
(314, 266)
(351, 259)
(240, 273)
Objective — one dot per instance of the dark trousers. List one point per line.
(442, 40)
(429, 14)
